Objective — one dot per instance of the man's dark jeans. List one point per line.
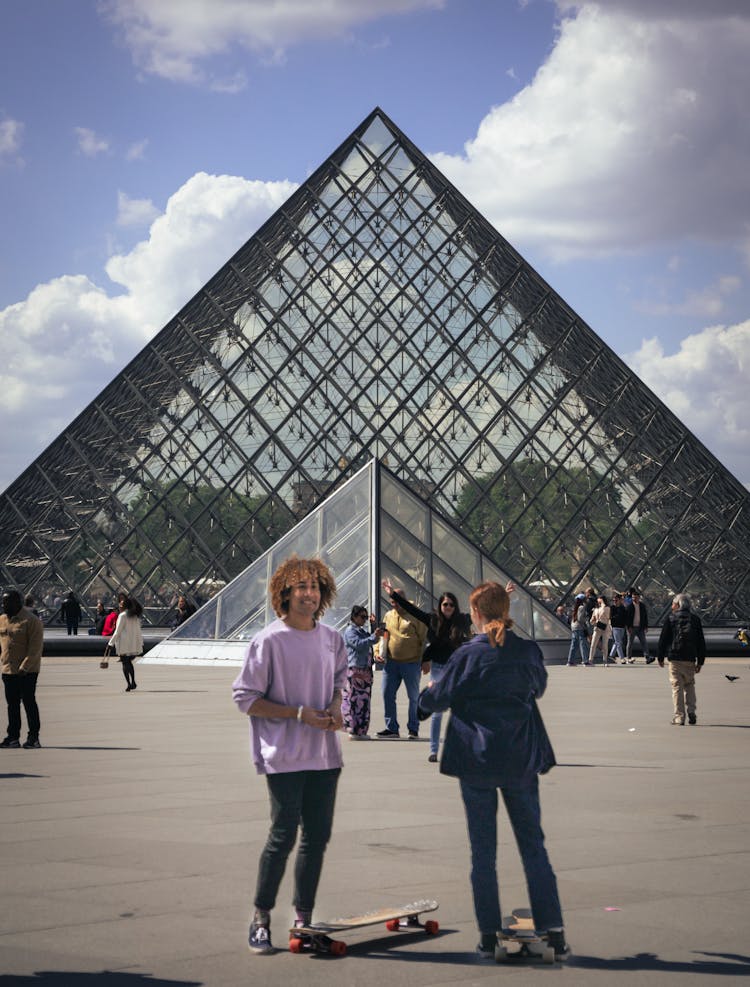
(522, 804)
(297, 797)
(21, 689)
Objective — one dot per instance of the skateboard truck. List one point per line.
(520, 940)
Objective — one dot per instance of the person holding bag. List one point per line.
(127, 639)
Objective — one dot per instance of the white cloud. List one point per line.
(89, 143)
(137, 151)
(634, 131)
(172, 38)
(705, 384)
(680, 9)
(135, 212)
(11, 134)
(70, 337)
(709, 302)
(233, 84)
(204, 223)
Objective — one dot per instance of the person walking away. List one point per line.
(127, 639)
(290, 686)
(579, 627)
(70, 612)
(405, 638)
(356, 701)
(21, 642)
(447, 629)
(496, 739)
(601, 630)
(682, 642)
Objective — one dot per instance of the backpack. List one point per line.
(684, 640)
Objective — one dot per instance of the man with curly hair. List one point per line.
(290, 686)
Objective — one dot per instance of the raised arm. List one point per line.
(423, 616)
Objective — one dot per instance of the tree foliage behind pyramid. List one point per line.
(378, 314)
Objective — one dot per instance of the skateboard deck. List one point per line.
(520, 940)
(319, 936)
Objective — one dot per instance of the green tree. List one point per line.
(529, 511)
(192, 529)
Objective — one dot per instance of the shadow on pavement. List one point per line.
(737, 965)
(61, 747)
(629, 767)
(107, 978)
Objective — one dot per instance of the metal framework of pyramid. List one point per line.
(377, 314)
(371, 526)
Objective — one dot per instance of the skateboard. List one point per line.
(520, 940)
(318, 937)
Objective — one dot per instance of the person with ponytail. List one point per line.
(496, 739)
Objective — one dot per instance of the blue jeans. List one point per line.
(436, 720)
(394, 673)
(633, 633)
(618, 643)
(578, 644)
(522, 805)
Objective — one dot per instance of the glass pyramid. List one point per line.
(377, 314)
(419, 550)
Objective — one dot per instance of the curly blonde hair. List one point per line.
(493, 603)
(295, 570)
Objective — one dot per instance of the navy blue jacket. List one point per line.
(495, 736)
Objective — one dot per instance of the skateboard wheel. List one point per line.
(393, 925)
(431, 927)
(338, 948)
(548, 955)
(296, 945)
(501, 954)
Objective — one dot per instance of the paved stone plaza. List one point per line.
(129, 842)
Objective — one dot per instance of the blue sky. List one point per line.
(142, 141)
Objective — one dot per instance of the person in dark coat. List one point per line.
(683, 643)
(496, 739)
(70, 612)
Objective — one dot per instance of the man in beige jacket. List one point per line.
(21, 639)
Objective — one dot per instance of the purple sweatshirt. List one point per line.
(294, 668)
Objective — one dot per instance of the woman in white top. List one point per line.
(601, 630)
(128, 638)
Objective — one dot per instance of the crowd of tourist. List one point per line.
(607, 627)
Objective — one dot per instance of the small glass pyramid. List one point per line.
(371, 527)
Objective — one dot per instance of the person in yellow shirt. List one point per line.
(405, 638)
